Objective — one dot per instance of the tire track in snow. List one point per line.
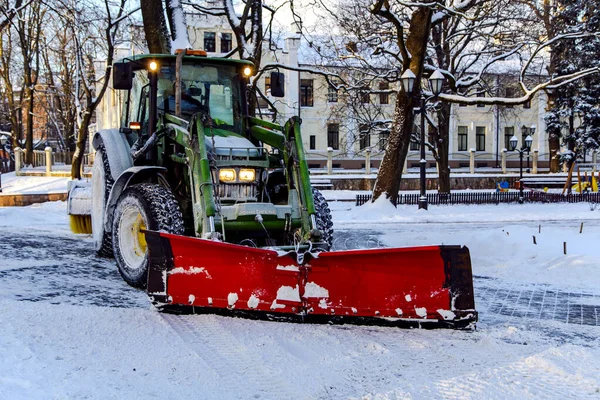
(236, 364)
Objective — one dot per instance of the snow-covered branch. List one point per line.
(529, 93)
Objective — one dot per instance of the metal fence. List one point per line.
(488, 198)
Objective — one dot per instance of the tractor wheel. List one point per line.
(140, 207)
(102, 183)
(323, 217)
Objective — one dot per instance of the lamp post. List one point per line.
(4, 156)
(529, 132)
(436, 81)
(525, 148)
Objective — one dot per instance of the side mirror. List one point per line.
(277, 84)
(122, 76)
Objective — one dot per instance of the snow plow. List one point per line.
(212, 210)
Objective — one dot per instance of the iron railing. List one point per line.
(488, 198)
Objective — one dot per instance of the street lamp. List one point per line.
(436, 81)
(529, 131)
(525, 148)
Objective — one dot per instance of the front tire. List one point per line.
(102, 183)
(142, 207)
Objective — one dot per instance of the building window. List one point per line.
(510, 93)
(333, 136)
(306, 92)
(463, 132)
(209, 42)
(364, 137)
(313, 142)
(225, 42)
(384, 98)
(332, 94)
(525, 131)
(414, 145)
(383, 140)
(480, 138)
(267, 85)
(481, 94)
(364, 95)
(509, 131)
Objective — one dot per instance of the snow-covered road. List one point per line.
(71, 328)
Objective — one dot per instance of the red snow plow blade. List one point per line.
(416, 286)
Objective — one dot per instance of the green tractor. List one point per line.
(212, 210)
(187, 159)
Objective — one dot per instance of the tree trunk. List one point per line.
(29, 127)
(82, 136)
(443, 147)
(390, 171)
(553, 140)
(155, 27)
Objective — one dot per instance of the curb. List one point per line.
(21, 200)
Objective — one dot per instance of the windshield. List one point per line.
(204, 88)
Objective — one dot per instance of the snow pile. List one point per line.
(499, 237)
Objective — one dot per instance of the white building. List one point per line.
(327, 122)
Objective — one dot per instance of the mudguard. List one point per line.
(133, 174)
(117, 150)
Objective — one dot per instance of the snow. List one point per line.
(80, 199)
(288, 293)
(231, 299)
(253, 301)
(181, 38)
(421, 312)
(292, 268)
(313, 290)
(72, 329)
(11, 184)
(446, 314)
(190, 271)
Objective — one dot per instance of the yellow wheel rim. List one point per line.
(140, 244)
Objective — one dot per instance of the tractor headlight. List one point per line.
(227, 175)
(247, 175)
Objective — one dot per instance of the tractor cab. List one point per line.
(156, 87)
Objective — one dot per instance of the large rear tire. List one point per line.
(140, 207)
(102, 183)
(323, 217)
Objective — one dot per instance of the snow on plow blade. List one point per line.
(416, 286)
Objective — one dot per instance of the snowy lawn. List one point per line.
(63, 346)
(12, 184)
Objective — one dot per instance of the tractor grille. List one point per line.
(236, 191)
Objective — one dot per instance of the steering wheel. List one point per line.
(192, 100)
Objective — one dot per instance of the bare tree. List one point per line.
(94, 32)
(59, 58)
(9, 13)
(397, 35)
(29, 31)
(7, 73)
